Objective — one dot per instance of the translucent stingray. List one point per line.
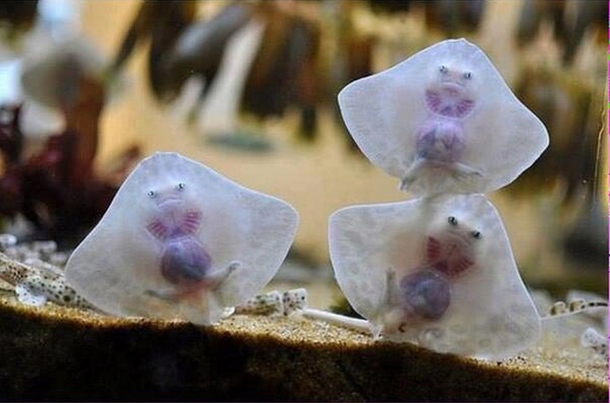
(437, 272)
(443, 121)
(181, 241)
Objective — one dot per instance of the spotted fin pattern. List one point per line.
(35, 286)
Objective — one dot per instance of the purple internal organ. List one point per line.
(441, 136)
(440, 140)
(426, 293)
(451, 251)
(184, 261)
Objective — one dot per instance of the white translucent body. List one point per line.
(490, 314)
(118, 265)
(383, 113)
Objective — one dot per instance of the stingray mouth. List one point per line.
(452, 86)
(458, 240)
(168, 200)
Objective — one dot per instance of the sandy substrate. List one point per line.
(62, 353)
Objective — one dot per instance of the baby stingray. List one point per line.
(437, 272)
(181, 241)
(443, 121)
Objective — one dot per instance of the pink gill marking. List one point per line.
(451, 109)
(192, 222)
(458, 267)
(445, 266)
(464, 107)
(433, 101)
(158, 229)
(433, 249)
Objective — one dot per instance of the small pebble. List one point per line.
(44, 247)
(58, 258)
(7, 240)
(591, 338)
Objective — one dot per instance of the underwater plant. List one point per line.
(16, 18)
(180, 240)
(587, 17)
(282, 74)
(57, 189)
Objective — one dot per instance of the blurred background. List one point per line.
(88, 88)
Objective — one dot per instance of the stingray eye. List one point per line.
(468, 75)
(180, 186)
(452, 220)
(476, 234)
(152, 194)
(443, 69)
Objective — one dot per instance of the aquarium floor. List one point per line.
(57, 353)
